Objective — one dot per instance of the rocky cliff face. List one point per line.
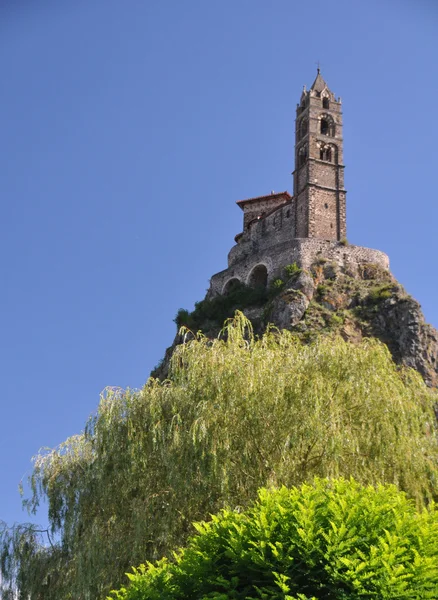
(369, 304)
(328, 298)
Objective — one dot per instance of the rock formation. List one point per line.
(324, 299)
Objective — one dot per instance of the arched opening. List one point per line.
(325, 153)
(327, 126)
(231, 285)
(258, 277)
(303, 128)
(325, 103)
(302, 156)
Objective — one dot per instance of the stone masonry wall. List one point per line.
(303, 251)
(254, 209)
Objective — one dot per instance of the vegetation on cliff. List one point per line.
(354, 301)
(235, 414)
(335, 540)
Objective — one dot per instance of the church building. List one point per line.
(280, 229)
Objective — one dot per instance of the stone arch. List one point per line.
(258, 276)
(231, 285)
(327, 125)
(303, 127)
(302, 156)
(328, 152)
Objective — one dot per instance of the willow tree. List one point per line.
(236, 414)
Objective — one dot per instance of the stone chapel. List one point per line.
(280, 229)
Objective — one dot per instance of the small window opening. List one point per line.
(325, 103)
(303, 128)
(325, 153)
(326, 205)
(302, 156)
(327, 126)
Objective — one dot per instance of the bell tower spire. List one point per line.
(320, 210)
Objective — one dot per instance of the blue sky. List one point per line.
(129, 129)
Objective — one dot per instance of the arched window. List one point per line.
(304, 125)
(258, 277)
(302, 156)
(325, 153)
(325, 103)
(231, 285)
(327, 126)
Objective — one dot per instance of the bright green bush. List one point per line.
(276, 285)
(333, 540)
(292, 270)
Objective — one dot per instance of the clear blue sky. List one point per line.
(128, 131)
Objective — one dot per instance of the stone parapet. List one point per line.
(303, 251)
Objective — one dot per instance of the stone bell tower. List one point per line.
(319, 171)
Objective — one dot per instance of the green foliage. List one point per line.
(322, 289)
(276, 285)
(344, 242)
(332, 540)
(336, 319)
(214, 311)
(236, 414)
(292, 270)
(211, 313)
(380, 293)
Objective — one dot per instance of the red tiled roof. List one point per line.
(276, 196)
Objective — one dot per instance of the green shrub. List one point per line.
(213, 312)
(182, 318)
(336, 319)
(292, 270)
(331, 540)
(379, 294)
(344, 242)
(322, 289)
(277, 284)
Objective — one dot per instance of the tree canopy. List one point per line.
(331, 540)
(236, 413)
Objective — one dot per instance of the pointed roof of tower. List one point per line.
(319, 84)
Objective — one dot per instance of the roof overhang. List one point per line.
(269, 197)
